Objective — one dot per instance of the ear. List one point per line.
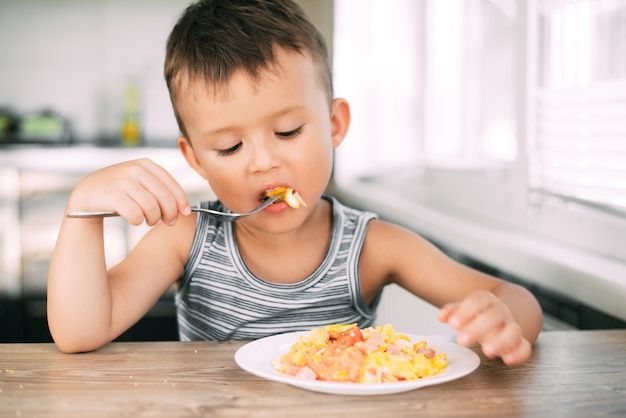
(190, 155)
(339, 120)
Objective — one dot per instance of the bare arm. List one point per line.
(89, 306)
(503, 317)
(79, 297)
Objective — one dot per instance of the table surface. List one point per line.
(571, 373)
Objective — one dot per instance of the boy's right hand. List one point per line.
(138, 190)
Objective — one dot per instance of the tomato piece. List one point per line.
(347, 338)
(337, 365)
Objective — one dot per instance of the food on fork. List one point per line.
(346, 353)
(289, 196)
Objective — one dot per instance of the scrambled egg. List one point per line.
(346, 353)
(289, 196)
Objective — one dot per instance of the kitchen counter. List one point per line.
(579, 277)
(570, 374)
(85, 158)
(35, 182)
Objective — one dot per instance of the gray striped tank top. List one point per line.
(220, 299)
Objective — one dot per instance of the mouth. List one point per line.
(287, 195)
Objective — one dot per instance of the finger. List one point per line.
(164, 189)
(445, 311)
(139, 205)
(471, 306)
(173, 187)
(135, 200)
(518, 355)
(509, 344)
(481, 328)
(476, 317)
(161, 202)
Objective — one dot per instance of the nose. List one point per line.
(263, 155)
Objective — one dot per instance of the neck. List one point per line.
(288, 256)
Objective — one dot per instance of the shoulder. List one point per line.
(389, 235)
(349, 214)
(405, 258)
(387, 247)
(390, 248)
(340, 207)
(380, 236)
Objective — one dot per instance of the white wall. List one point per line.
(77, 56)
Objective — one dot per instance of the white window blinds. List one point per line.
(579, 151)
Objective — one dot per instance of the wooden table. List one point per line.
(571, 373)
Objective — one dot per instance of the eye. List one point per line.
(289, 134)
(229, 151)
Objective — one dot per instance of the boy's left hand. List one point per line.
(482, 317)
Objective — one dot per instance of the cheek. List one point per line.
(222, 177)
(317, 159)
(324, 150)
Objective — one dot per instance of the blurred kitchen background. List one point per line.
(495, 128)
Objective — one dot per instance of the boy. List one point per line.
(252, 94)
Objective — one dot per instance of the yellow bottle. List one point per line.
(130, 132)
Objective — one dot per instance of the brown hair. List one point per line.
(215, 38)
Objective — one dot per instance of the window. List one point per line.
(579, 150)
(433, 84)
(450, 84)
(503, 117)
(380, 73)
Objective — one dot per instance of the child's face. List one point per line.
(253, 136)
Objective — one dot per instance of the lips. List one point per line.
(288, 195)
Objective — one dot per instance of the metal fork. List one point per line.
(223, 216)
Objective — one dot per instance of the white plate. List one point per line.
(256, 357)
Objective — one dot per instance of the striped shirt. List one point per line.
(220, 299)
